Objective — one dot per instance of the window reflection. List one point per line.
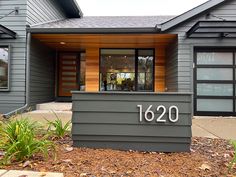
(3, 67)
(118, 69)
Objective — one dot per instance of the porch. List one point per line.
(60, 63)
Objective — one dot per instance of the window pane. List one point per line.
(145, 70)
(117, 70)
(214, 74)
(215, 105)
(3, 68)
(214, 58)
(215, 89)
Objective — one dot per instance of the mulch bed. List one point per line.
(208, 157)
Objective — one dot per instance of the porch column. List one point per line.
(160, 57)
(92, 70)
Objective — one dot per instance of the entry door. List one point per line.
(215, 82)
(68, 73)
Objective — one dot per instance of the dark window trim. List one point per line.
(136, 67)
(9, 69)
(233, 66)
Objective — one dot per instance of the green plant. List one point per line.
(56, 127)
(19, 141)
(233, 161)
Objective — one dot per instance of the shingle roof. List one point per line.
(108, 22)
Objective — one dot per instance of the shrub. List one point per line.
(56, 127)
(19, 142)
(232, 163)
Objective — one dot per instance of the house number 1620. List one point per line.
(149, 115)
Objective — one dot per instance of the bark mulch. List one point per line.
(208, 157)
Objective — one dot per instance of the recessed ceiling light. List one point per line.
(62, 43)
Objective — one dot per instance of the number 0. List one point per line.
(176, 114)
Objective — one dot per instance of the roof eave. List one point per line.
(71, 8)
(93, 30)
(190, 14)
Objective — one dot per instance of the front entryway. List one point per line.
(71, 73)
(215, 82)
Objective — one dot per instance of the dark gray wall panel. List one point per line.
(15, 97)
(172, 67)
(42, 73)
(111, 120)
(43, 11)
(185, 45)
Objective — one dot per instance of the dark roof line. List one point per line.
(94, 30)
(190, 14)
(71, 8)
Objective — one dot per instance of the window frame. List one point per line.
(136, 68)
(9, 68)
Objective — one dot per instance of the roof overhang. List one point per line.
(93, 30)
(6, 33)
(213, 29)
(190, 14)
(71, 8)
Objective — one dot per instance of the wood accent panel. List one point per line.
(92, 70)
(160, 58)
(83, 41)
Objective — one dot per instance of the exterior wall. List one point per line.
(185, 46)
(171, 75)
(43, 11)
(15, 97)
(42, 73)
(111, 120)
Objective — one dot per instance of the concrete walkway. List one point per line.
(17, 173)
(212, 127)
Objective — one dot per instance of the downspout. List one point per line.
(27, 86)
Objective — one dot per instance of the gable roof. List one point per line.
(71, 8)
(103, 24)
(190, 14)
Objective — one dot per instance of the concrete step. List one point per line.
(41, 116)
(55, 106)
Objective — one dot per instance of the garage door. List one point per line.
(214, 85)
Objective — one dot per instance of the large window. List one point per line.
(126, 69)
(4, 68)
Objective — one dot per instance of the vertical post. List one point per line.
(92, 70)
(160, 57)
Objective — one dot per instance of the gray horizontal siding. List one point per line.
(43, 11)
(172, 67)
(15, 97)
(42, 73)
(111, 120)
(185, 46)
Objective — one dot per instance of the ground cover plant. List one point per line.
(56, 127)
(19, 141)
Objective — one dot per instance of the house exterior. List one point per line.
(125, 75)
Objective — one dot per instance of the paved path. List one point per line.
(212, 127)
(17, 173)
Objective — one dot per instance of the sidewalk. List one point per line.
(214, 127)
